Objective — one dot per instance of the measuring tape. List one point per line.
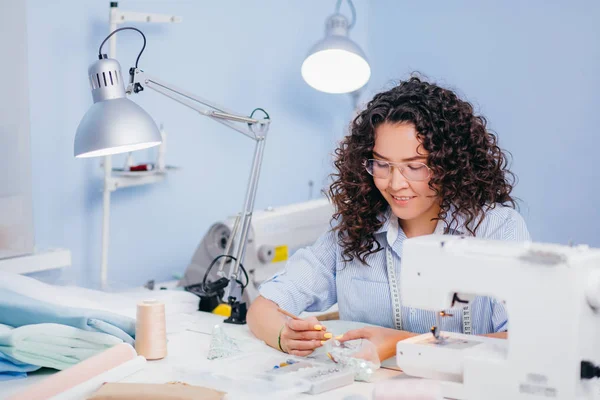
(394, 289)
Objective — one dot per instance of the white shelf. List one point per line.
(122, 179)
(39, 261)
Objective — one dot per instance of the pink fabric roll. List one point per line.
(78, 373)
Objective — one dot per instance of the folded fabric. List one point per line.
(11, 368)
(7, 376)
(123, 303)
(53, 345)
(64, 295)
(18, 310)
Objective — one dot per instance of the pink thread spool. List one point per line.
(151, 330)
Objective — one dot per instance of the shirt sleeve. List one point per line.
(499, 317)
(515, 230)
(308, 281)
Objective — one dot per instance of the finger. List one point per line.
(302, 344)
(308, 335)
(313, 320)
(303, 325)
(300, 353)
(352, 335)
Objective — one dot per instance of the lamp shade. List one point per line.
(114, 124)
(336, 64)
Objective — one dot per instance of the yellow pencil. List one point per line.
(289, 314)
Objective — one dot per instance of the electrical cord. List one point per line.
(337, 10)
(122, 29)
(231, 258)
(252, 114)
(260, 109)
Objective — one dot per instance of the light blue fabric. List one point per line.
(7, 376)
(17, 310)
(11, 368)
(315, 278)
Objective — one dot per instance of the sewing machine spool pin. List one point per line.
(437, 328)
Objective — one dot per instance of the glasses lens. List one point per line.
(377, 168)
(416, 171)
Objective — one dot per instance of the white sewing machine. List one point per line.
(552, 296)
(275, 233)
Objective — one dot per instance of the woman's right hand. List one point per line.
(299, 337)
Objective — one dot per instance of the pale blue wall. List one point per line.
(532, 68)
(237, 53)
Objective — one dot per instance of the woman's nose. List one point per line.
(397, 180)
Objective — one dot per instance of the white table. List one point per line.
(188, 344)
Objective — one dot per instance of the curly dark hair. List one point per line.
(469, 171)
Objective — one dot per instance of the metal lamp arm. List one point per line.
(215, 112)
(255, 129)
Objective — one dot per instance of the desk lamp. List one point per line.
(114, 124)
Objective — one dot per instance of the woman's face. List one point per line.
(409, 199)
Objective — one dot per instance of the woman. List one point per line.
(417, 161)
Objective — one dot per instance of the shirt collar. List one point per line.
(388, 218)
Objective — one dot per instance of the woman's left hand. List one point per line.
(384, 339)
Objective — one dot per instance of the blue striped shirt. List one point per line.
(316, 277)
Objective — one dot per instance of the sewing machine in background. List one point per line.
(552, 296)
(275, 233)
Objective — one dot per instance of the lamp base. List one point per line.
(210, 294)
(208, 303)
(238, 312)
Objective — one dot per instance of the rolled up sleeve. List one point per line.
(308, 281)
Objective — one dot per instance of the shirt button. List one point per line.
(412, 311)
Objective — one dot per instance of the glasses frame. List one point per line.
(399, 166)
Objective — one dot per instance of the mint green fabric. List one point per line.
(54, 345)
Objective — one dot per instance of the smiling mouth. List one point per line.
(402, 198)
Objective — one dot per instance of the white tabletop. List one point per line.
(189, 336)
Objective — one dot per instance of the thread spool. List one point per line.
(151, 330)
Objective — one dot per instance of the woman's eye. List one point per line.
(416, 167)
(381, 164)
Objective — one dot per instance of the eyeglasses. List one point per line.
(412, 171)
